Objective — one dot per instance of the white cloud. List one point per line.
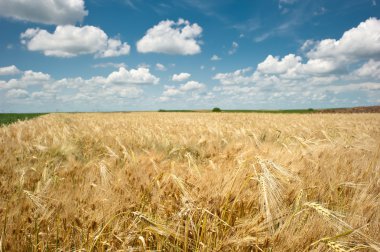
(366, 86)
(122, 79)
(291, 66)
(236, 90)
(164, 98)
(160, 67)
(116, 80)
(273, 65)
(192, 85)
(17, 93)
(9, 70)
(116, 89)
(31, 76)
(307, 45)
(320, 76)
(296, 84)
(40, 95)
(171, 92)
(330, 56)
(369, 86)
(109, 64)
(114, 48)
(70, 41)
(172, 37)
(320, 66)
(133, 76)
(370, 69)
(28, 78)
(361, 42)
(46, 12)
(215, 57)
(123, 92)
(321, 80)
(181, 77)
(235, 78)
(234, 48)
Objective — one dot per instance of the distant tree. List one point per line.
(216, 109)
(310, 109)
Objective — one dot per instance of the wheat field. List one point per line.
(191, 182)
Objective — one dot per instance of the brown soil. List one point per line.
(369, 109)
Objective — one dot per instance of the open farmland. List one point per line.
(11, 118)
(191, 182)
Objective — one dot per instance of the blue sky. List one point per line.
(111, 55)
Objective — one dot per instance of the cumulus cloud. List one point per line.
(116, 79)
(256, 87)
(134, 76)
(329, 56)
(164, 98)
(192, 85)
(273, 65)
(215, 57)
(364, 86)
(28, 78)
(370, 69)
(181, 77)
(116, 88)
(114, 48)
(17, 93)
(237, 77)
(172, 37)
(355, 44)
(320, 66)
(109, 64)
(70, 41)
(31, 76)
(291, 66)
(41, 95)
(171, 92)
(123, 92)
(9, 70)
(160, 67)
(57, 12)
(320, 75)
(367, 86)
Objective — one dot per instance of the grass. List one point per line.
(191, 182)
(287, 111)
(9, 118)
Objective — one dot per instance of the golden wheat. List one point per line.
(191, 182)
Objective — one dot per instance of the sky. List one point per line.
(124, 55)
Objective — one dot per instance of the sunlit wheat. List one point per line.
(191, 182)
